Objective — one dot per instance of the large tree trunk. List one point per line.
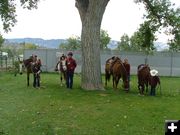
(91, 13)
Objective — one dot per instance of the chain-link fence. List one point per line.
(167, 63)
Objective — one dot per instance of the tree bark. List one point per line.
(91, 14)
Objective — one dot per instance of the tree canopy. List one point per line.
(1, 41)
(163, 14)
(8, 11)
(74, 42)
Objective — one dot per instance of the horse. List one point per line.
(18, 66)
(108, 69)
(61, 67)
(143, 74)
(30, 64)
(119, 71)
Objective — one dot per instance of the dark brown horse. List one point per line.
(61, 67)
(143, 73)
(108, 69)
(119, 71)
(29, 65)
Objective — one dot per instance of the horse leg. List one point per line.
(139, 88)
(27, 79)
(117, 81)
(61, 79)
(106, 79)
(143, 86)
(147, 87)
(113, 81)
(35, 80)
(64, 75)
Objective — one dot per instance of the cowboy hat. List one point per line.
(153, 72)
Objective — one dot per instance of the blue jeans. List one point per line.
(36, 82)
(152, 92)
(69, 79)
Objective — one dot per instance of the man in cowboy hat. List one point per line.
(71, 65)
(154, 80)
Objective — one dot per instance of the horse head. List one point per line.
(62, 65)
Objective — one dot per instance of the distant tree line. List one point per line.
(74, 42)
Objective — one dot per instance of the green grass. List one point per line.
(55, 110)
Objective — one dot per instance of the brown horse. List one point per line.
(61, 67)
(143, 73)
(108, 69)
(30, 65)
(119, 71)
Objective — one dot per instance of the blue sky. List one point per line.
(60, 19)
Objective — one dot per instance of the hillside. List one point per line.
(51, 43)
(54, 43)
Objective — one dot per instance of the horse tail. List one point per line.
(108, 76)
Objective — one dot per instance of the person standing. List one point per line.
(128, 68)
(36, 68)
(71, 65)
(154, 81)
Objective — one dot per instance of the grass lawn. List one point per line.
(55, 110)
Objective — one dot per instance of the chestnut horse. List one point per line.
(143, 73)
(108, 69)
(119, 71)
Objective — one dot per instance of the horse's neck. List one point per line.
(123, 70)
(63, 63)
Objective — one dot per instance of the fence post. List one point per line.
(6, 62)
(46, 61)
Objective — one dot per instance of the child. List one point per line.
(154, 80)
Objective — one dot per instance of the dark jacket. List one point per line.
(154, 80)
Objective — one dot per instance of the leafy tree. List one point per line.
(175, 42)
(124, 44)
(1, 41)
(8, 11)
(73, 43)
(135, 41)
(30, 46)
(143, 39)
(104, 39)
(163, 14)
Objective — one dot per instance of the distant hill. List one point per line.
(51, 43)
(54, 43)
